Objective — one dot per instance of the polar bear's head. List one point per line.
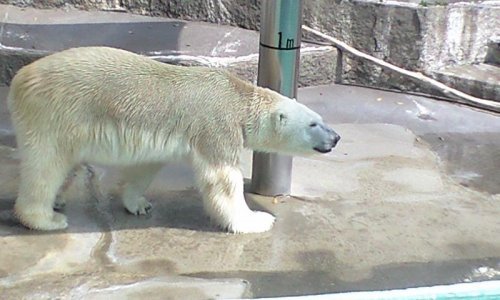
(294, 129)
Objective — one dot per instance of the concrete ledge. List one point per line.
(317, 64)
(480, 79)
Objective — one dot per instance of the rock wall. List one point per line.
(422, 36)
(458, 34)
(389, 32)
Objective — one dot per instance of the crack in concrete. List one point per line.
(100, 251)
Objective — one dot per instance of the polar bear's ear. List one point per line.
(280, 119)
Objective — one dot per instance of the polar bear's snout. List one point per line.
(326, 136)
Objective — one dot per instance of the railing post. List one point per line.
(339, 67)
(279, 54)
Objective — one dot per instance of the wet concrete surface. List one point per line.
(466, 140)
(385, 210)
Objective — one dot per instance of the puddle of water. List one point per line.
(394, 276)
(473, 159)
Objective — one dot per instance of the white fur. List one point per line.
(222, 189)
(108, 106)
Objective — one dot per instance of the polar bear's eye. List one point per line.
(313, 124)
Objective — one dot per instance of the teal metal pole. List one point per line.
(279, 54)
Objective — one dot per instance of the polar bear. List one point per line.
(110, 106)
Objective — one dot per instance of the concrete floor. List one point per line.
(387, 209)
(411, 197)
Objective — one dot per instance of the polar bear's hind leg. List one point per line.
(42, 175)
(135, 180)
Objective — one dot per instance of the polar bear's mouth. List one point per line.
(320, 150)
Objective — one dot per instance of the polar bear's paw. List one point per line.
(54, 221)
(253, 222)
(139, 206)
(59, 204)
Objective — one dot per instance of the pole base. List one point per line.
(271, 174)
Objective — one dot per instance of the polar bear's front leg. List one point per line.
(224, 201)
(135, 181)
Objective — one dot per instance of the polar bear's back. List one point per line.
(112, 79)
(115, 94)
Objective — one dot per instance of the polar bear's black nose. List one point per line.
(329, 139)
(336, 139)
